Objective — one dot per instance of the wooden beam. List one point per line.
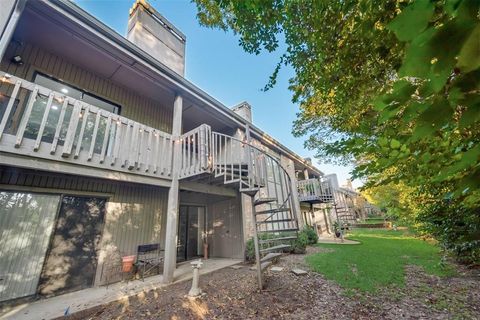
(8, 159)
(207, 188)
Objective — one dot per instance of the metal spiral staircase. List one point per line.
(262, 177)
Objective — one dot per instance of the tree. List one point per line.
(336, 73)
(391, 85)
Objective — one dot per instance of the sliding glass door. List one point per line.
(26, 225)
(191, 227)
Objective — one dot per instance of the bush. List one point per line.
(456, 227)
(299, 245)
(250, 246)
(311, 235)
(250, 250)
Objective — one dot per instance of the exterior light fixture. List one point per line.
(17, 60)
(64, 90)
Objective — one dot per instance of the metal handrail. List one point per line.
(289, 195)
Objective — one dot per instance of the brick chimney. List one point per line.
(154, 34)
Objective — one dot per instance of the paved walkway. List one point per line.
(334, 240)
(91, 297)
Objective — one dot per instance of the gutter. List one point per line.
(181, 84)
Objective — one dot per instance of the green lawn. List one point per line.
(378, 261)
(374, 220)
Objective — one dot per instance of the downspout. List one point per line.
(12, 21)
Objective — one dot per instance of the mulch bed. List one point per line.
(233, 294)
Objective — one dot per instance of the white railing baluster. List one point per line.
(148, 151)
(201, 148)
(159, 139)
(118, 134)
(184, 158)
(133, 138)
(25, 117)
(82, 131)
(106, 139)
(170, 143)
(126, 159)
(72, 129)
(94, 135)
(141, 148)
(44, 122)
(189, 144)
(58, 129)
(9, 108)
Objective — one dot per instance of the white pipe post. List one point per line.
(195, 291)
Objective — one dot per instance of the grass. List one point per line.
(378, 261)
(374, 220)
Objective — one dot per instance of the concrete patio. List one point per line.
(88, 298)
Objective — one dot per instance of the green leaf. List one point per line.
(472, 112)
(382, 141)
(432, 55)
(412, 20)
(451, 6)
(469, 57)
(432, 119)
(418, 56)
(469, 158)
(395, 144)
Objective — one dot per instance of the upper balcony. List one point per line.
(41, 123)
(315, 191)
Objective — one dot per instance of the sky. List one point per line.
(217, 64)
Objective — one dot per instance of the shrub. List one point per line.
(311, 234)
(299, 245)
(250, 250)
(250, 246)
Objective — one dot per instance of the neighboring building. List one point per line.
(105, 146)
(323, 202)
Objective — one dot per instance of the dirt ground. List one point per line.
(233, 294)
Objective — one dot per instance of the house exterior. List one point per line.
(323, 202)
(105, 147)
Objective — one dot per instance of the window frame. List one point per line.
(82, 91)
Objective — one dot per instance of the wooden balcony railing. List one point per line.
(314, 190)
(195, 151)
(38, 122)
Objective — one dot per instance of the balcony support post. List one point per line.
(173, 195)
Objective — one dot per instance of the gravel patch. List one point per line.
(233, 294)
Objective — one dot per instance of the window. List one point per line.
(38, 110)
(75, 93)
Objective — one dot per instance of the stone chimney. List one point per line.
(244, 110)
(333, 179)
(154, 34)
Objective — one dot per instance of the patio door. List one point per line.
(191, 226)
(26, 224)
(72, 259)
